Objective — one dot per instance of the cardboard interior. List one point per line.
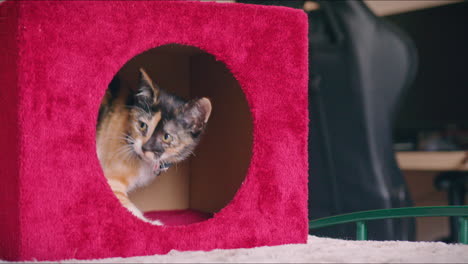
(208, 180)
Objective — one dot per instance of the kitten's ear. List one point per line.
(197, 113)
(147, 89)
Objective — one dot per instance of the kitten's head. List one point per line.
(163, 128)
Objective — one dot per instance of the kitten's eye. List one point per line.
(142, 126)
(167, 138)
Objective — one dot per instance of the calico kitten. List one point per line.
(140, 134)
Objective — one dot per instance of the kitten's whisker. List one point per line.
(129, 155)
(120, 151)
(129, 139)
(123, 137)
(113, 138)
(125, 152)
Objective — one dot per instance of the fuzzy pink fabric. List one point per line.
(56, 61)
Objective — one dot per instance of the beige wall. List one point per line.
(389, 7)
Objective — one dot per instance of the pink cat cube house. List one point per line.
(249, 174)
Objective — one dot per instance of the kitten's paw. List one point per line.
(153, 222)
(136, 212)
(156, 222)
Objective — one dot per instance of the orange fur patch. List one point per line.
(152, 124)
(120, 166)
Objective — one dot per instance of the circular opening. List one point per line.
(141, 139)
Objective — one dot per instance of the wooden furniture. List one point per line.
(452, 168)
(433, 160)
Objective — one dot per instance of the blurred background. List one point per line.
(388, 110)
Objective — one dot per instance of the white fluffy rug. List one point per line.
(317, 250)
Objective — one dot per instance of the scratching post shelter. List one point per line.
(56, 63)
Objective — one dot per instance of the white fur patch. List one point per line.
(136, 212)
(137, 147)
(146, 93)
(145, 176)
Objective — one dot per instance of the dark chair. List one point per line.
(360, 66)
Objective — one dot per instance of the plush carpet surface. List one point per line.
(317, 250)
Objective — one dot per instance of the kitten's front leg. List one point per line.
(136, 212)
(119, 190)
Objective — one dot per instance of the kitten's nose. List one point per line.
(151, 146)
(148, 146)
(145, 148)
(148, 152)
(149, 155)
